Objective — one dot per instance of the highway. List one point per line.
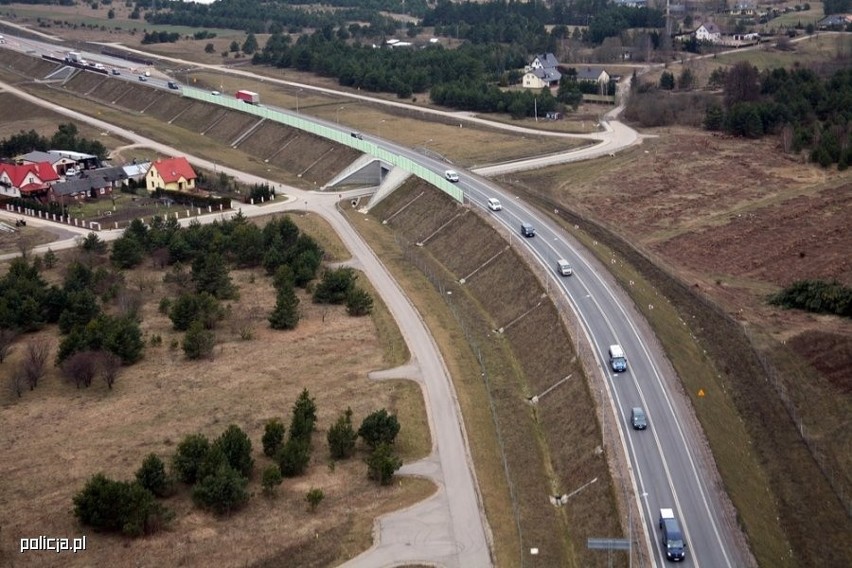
(668, 470)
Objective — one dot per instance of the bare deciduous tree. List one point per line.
(110, 367)
(35, 361)
(19, 379)
(81, 368)
(129, 302)
(7, 339)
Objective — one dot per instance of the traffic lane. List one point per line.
(671, 448)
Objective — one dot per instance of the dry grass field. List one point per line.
(55, 437)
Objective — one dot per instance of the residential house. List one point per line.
(135, 172)
(708, 32)
(835, 22)
(81, 188)
(170, 173)
(26, 180)
(593, 75)
(84, 161)
(542, 72)
(60, 164)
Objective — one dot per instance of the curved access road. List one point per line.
(449, 528)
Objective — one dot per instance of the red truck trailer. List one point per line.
(249, 97)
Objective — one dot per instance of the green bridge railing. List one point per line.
(329, 133)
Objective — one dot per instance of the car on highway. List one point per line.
(494, 204)
(527, 230)
(638, 419)
(357, 135)
(116, 72)
(147, 73)
(143, 78)
(173, 85)
(617, 359)
(215, 93)
(451, 175)
(564, 267)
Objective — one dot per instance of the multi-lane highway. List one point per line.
(667, 470)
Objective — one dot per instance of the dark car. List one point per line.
(638, 419)
(527, 230)
(173, 85)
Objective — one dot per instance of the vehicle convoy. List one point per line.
(672, 538)
(617, 359)
(249, 97)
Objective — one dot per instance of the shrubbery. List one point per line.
(816, 296)
(119, 506)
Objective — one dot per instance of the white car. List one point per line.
(451, 175)
(494, 204)
(215, 93)
(564, 267)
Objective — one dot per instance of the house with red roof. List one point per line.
(170, 173)
(27, 180)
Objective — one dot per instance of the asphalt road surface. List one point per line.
(670, 467)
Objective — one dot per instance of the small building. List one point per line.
(79, 189)
(135, 172)
(84, 161)
(542, 72)
(170, 173)
(26, 180)
(593, 75)
(708, 32)
(60, 164)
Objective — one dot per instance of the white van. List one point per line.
(617, 359)
(564, 267)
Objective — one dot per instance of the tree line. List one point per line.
(217, 472)
(808, 112)
(66, 137)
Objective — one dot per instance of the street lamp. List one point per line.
(338, 114)
(297, 100)
(382, 121)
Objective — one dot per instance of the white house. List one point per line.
(708, 32)
(542, 72)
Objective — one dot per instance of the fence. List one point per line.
(329, 133)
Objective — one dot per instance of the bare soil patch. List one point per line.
(159, 400)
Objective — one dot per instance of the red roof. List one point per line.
(18, 173)
(172, 169)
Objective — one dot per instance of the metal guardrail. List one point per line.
(338, 136)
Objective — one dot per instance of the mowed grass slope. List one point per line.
(548, 449)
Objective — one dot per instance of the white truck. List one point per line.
(75, 57)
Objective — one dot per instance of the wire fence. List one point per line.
(443, 285)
